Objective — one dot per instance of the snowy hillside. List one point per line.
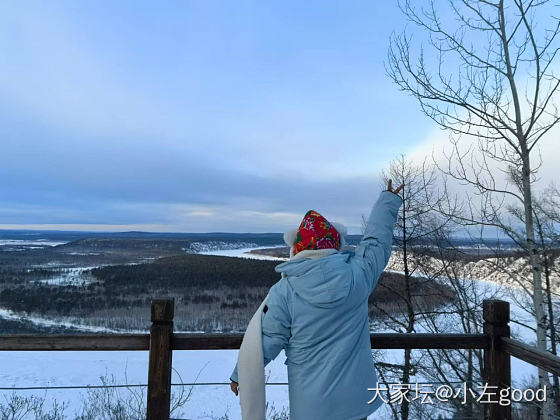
(507, 271)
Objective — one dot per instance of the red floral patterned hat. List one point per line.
(316, 232)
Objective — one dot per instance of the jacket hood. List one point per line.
(324, 282)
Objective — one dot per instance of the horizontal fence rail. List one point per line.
(532, 355)
(196, 341)
(75, 342)
(161, 341)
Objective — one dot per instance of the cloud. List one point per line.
(103, 122)
(546, 154)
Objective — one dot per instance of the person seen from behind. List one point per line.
(318, 313)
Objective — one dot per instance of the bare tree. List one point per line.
(462, 315)
(413, 226)
(436, 295)
(490, 80)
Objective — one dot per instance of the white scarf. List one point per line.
(250, 360)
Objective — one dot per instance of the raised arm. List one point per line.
(374, 250)
(276, 323)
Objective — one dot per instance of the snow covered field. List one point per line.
(32, 243)
(29, 369)
(74, 276)
(244, 253)
(58, 368)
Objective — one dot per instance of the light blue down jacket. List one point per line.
(318, 313)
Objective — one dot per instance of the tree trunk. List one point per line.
(536, 265)
(405, 408)
(556, 383)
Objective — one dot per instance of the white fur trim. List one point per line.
(312, 253)
(290, 237)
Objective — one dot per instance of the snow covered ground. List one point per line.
(56, 368)
(34, 243)
(27, 244)
(73, 276)
(45, 322)
(244, 253)
(208, 247)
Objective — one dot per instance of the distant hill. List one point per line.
(260, 239)
(70, 236)
(162, 245)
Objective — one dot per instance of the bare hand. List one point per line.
(390, 187)
(234, 387)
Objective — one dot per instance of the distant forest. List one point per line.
(212, 293)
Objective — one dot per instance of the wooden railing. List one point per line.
(161, 342)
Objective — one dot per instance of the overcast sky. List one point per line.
(197, 116)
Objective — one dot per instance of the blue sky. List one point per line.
(197, 116)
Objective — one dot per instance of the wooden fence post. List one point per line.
(497, 363)
(159, 370)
